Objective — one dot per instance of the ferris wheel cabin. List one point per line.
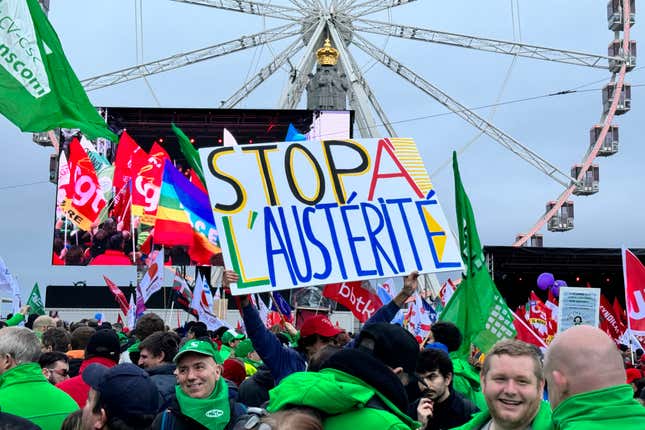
(609, 145)
(563, 219)
(589, 183)
(615, 49)
(615, 20)
(624, 100)
(536, 241)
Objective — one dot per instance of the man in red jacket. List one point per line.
(102, 348)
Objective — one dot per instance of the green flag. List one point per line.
(476, 307)
(35, 302)
(189, 151)
(40, 91)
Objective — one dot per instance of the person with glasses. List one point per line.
(440, 406)
(55, 366)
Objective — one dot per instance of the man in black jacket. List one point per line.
(440, 407)
(155, 356)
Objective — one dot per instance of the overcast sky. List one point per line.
(508, 194)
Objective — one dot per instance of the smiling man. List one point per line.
(512, 381)
(202, 399)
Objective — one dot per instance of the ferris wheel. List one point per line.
(347, 23)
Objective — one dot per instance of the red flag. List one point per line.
(538, 315)
(609, 323)
(526, 333)
(84, 199)
(619, 312)
(634, 273)
(119, 320)
(147, 183)
(118, 295)
(354, 297)
(126, 151)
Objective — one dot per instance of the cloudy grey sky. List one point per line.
(508, 194)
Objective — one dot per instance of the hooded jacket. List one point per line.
(465, 380)
(607, 408)
(164, 378)
(25, 392)
(254, 391)
(542, 420)
(347, 401)
(76, 387)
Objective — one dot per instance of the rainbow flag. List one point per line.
(184, 217)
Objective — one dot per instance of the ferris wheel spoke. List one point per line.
(466, 114)
(484, 44)
(263, 74)
(300, 75)
(251, 7)
(360, 100)
(180, 60)
(357, 9)
(375, 103)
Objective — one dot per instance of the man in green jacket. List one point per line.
(512, 381)
(24, 391)
(587, 388)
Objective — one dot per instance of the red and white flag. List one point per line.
(634, 274)
(526, 333)
(153, 278)
(118, 295)
(353, 296)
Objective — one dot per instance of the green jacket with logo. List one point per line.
(25, 392)
(607, 408)
(542, 420)
(344, 398)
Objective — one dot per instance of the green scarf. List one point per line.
(213, 412)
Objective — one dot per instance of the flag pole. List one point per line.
(134, 246)
(623, 254)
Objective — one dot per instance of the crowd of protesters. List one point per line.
(96, 375)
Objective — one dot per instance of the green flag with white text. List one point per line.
(35, 301)
(38, 88)
(476, 307)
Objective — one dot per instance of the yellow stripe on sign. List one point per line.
(408, 154)
(434, 227)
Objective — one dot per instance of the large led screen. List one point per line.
(122, 203)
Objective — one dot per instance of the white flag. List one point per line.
(203, 303)
(130, 318)
(9, 286)
(262, 309)
(153, 278)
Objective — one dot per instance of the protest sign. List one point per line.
(295, 214)
(578, 306)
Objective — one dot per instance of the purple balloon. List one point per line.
(555, 289)
(545, 280)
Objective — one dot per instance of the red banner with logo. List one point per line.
(147, 183)
(354, 297)
(634, 273)
(84, 199)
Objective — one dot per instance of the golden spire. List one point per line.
(327, 55)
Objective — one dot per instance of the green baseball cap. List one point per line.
(243, 348)
(231, 335)
(199, 347)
